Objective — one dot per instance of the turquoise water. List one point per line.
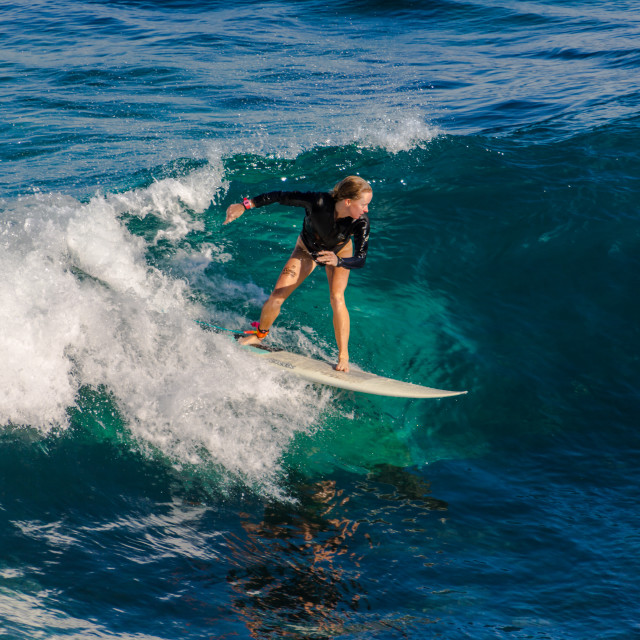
(155, 483)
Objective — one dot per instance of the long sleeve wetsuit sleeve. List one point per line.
(287, 198)
(360, 246)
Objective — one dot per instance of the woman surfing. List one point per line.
(335, 234)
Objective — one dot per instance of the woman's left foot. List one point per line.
(343, 365)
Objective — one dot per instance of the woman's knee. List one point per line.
(337, 300)
(277, 298)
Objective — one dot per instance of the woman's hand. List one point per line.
(327, 258)
(234, 211)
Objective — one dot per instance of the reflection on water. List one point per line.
(297, 565)
(298, 572)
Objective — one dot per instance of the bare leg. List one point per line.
(299, 265)
(338, 279)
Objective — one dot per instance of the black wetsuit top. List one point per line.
(322, 231)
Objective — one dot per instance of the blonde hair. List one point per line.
(351, 188)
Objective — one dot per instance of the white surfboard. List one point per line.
(355, 380)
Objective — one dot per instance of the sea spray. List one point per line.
(81, 307)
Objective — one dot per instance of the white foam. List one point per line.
(80, 306)
(396, 134)
(174, 201)
(392, 130)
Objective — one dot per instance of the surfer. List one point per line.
(335, 234)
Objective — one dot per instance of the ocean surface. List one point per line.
(157, 483)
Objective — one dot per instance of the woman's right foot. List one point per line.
(250, 339)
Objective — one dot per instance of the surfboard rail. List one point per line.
(323, 372)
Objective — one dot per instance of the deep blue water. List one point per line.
(156, 484)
